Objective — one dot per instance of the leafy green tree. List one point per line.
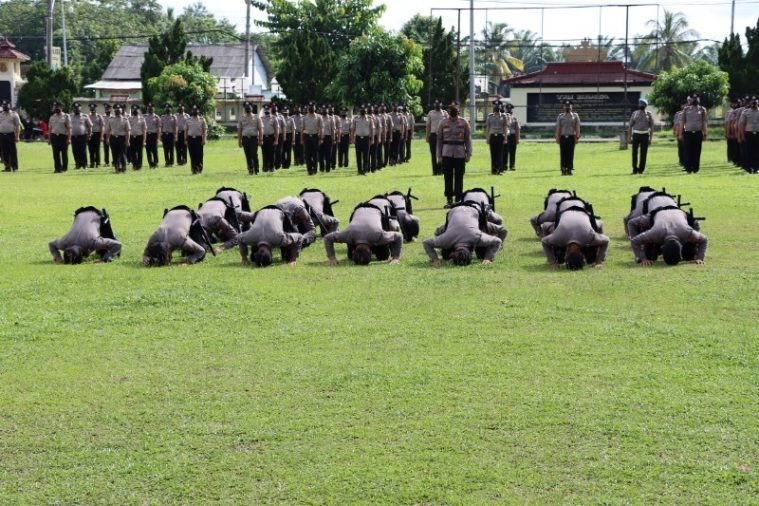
(312, 35)
(45, 86)
(380, 67)
(202, 27)
(668, 45)
(187, 83)
(166, 49)
(742, 67)
(672, 88)
(420, 29)
(440, 67)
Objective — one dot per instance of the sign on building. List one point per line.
(603, 107)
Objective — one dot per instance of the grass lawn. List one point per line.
(505, 384)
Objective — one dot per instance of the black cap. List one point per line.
(167, 105)
(285, 111)
(57, 104)
(150, 104)
(77, 104)
(437, 102)
(497, 102)
(267, 107)
(93, 106)
(195, 107)
(509, 105)
(107, 107)
(4, 103)
(567, 102)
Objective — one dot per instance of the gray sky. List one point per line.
(710, 18)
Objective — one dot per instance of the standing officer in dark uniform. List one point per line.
(345, 138)
(10, 130)
(496, 131)
(567, 136)
(454, 150)
(515, 133)
(641, 134)
(138, 129)
(270, 138)
(287, 147)
(279, 145)
(181, 145)
(325, 149)
(96, 138)
(106, 147)
(693, 127)
(153, 129)
(311, 138)
(196, 132)
(434, 117)
(249, 135)
(298, 136)
(362, 136)
(60, 137)
(81, 129)
(168, 135)
(117, 134)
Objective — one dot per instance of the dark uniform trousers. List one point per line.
(362, 154)
(118, 150)
(752, 152)
(311, 151)
(135, 151)
(436, 168)
(692, 150)
(267, 149)
(374, 148)
(250, 148)
(106, 152)
(93, 146)
(342, 158)
(402, 148)
(59, 143)
(409, 138)
(385, 151)
(151, 149)
(395, 147)
(681, 152)
(510, 152)
(287, 151)
(496, 153)
(181, 147)
(325, 153)
(732, 146)
(278, 150)
(8, 151)
(195, 149)
(168, 149)
(333, 154)
(639, 144)
(567, 153)
(79, 150)
(453, 172)
(298, 149)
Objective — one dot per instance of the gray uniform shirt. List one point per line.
(80, 124)
(362, 126)
(182, 121)
(567, 123)
(9, 122)
(271, 125)
(235, 198)
(328, 124)
(196, 126)
(296, 211)
(434, 117)
(399, 121)
(59, 124)
(345, 125)
(549, 214)
(137, 125)
(168, 123)
(669, 223)
(175, 230)
(97, 123)
(750, 119)
(249, 125)
(463, 229)
(85, 233)
(454, 138)
(152, 123)
(118, 126)
(693, 119)
(289, 125)
(315, 201)
(654, 203)
(298, 122)
(366, 227)
(266, 229)
(483, 200)
(496, 124)
(312, 124)
(574, 227)
(212, 219)
(642, 121)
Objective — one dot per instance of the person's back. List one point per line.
(83, 232)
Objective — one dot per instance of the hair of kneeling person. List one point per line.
(73, 255)
(574, 257)
(671, 251)
(362, 254)
(462, 256)
(262, 256)
(159, 254)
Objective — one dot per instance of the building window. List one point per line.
(232, 114)
(218, 115)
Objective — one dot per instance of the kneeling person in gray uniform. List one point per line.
(319, 207)
(671, 231)
(270, 228)
(465, 229)
(549, 209)
(486, 201)
(90, 232)
(296, 211)
(367, 234)
(575, 240)
(239, 200)
(219, 219)
(402, 210)
(180, 230)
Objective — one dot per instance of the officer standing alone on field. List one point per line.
(59, 137)
(513, 139)
(10, 131)
(434, 117)
(454, 150)
(693, 129)
(567, 136)
(496, 132)
(641, 134)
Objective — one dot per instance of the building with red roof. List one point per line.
(10, 71)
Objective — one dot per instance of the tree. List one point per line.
(380, 67)
(187, 83)
(494, 58)
(440, 67)
(670, 44)
(312, 35)
(743, 68)
(672, 88)
(202, 27)
(420, 29)
(45, 86)
(168, 48)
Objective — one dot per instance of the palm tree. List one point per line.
(669, 44)
(494, 58)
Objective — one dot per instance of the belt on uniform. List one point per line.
(693, 131)
(453, 143)
(311, 135)
(567, 136)
(194, 136)
(641, 131)
(249, 136)
(268, 135)
(362, 136)
(753, 133)
(496, 135)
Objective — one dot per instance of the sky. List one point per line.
(554, 18)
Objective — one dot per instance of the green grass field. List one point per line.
(501, 384)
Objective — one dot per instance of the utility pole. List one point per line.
(49, 33)
(247, 37)
(472, 103)
(732, 18)
(63, 27)
(458, 59)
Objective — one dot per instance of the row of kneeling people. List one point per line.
(570, 231)
(377, 228)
